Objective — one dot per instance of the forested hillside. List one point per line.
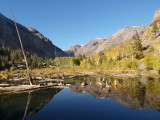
(141, 53)
(14, 59)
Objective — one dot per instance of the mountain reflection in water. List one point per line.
(13, 106)
(129, 98)
(135, 93)
(130, 93)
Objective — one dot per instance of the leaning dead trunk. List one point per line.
(20, 40)
(27, 105)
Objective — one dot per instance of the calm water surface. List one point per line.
(87, 99)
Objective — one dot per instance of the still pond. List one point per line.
(87, 99)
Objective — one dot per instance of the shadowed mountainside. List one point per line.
(33, 41)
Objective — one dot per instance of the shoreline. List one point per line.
(27, 88)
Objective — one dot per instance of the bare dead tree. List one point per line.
(20, 40)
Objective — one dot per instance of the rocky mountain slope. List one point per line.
(90, 47)
(156, 16)
(120, 36)
(73, 49)
(33, 41)
(97, 45)
(149, 36)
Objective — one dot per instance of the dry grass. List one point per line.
(74, 70)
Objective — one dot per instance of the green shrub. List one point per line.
(12, 68)
(139, 55)
(152, 61)
(127, 63)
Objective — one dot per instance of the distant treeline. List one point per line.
(10, 59)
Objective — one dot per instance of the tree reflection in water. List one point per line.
(135, 93)
(19, 106)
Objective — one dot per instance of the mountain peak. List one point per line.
(156, 15)
(73, 49)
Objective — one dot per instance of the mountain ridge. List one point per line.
(73, 49)
(99, 44)
(33, 41)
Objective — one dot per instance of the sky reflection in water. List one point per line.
(130, 99)
(67, 105)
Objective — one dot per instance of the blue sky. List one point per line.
(70, 22)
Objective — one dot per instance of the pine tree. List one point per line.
(137, 42)
(155, 28)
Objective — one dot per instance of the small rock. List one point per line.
(141, 66)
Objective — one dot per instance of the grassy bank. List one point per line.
(58, 72)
